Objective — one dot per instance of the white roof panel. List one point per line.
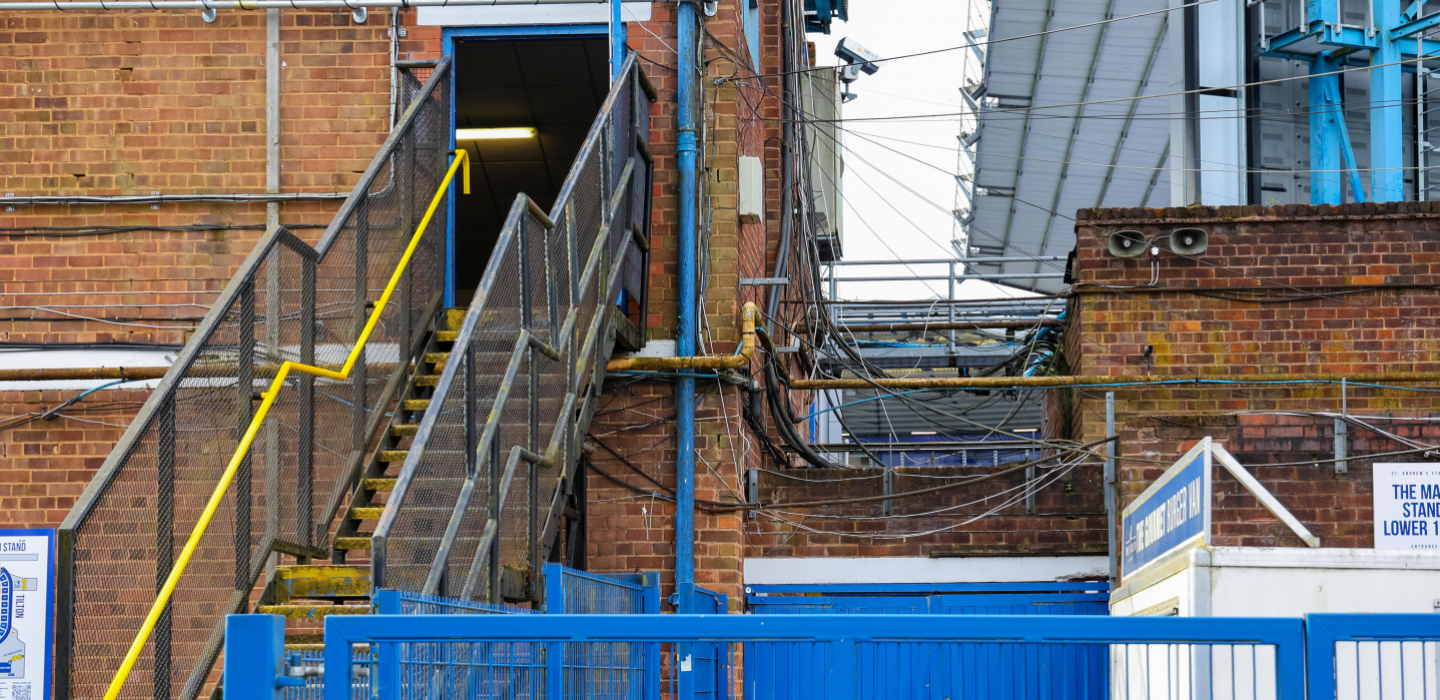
(1037, 166)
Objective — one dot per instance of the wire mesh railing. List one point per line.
(490, 460)
(572, 592)
(288, 302)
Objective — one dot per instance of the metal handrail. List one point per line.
(562, 342)
(162, 599)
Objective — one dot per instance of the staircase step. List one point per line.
(427, 380)
(366, 513)
(437, 358)
(407, 430)
(447, 336)
(390, 456)
(454, 318)
(313, 611)
(324, 581)
(416, 404)
(386, 484)
(352, 543)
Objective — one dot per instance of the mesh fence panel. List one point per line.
(534, 278)
(287, 302)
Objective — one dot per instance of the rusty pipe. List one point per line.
(978, 324)
(1059, 382)
(747, 351)
(55, 374)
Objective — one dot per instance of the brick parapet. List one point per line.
(1294, 289)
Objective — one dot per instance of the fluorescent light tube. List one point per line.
(514, 132)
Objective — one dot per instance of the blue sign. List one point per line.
(27, 608)
(1173, 514)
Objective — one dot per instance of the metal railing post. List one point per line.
(554, 670)
(305, 460)
(244, 400)
(359, 377)
(532, 406)
(1111, 506)
(164, 540)
(274, 310)
(950, 306)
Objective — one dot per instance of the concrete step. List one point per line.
(307, 612)
(323, 581)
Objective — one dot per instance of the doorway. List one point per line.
(523, 105)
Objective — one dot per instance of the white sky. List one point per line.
(884, 221)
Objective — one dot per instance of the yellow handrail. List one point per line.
(268, 398)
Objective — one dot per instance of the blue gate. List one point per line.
(951, 670)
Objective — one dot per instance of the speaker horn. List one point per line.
(1189, 241)
(1126, 244)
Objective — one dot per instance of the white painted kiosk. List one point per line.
(1169, 566)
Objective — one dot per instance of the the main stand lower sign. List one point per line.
(1407, 506)
(27, 609)
(1173, 514)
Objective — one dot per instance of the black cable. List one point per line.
(97, 345)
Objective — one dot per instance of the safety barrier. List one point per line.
(288, 305)
(524, 370)
(850, 656)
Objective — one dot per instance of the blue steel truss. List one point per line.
(1394, 45)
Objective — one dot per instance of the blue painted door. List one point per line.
(928, 670)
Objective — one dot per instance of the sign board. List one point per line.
(1407, 506)
(1173, 514)
(27, 613)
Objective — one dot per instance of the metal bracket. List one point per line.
(208, 14)
(359, 15)
(762, 281)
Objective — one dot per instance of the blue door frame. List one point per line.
(450, 36)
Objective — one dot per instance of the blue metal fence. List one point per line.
(1373, 656)
(849, 656)
(605, 670)
(846, 656)
(951, 669)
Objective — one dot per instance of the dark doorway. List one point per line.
(552, 86)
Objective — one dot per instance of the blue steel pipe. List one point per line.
(686, 43)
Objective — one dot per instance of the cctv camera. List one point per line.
(858, 59)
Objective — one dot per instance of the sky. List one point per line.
(899, 182)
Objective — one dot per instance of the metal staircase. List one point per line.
(341, 394)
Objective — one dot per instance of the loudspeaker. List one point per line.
(1189, 241)
(1126, 244)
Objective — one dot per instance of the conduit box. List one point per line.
(751, 199)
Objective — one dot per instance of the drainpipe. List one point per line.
(272, 115)
(687, 42)
(787, 167)
(394, 66)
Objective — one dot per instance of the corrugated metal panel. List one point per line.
(893, 417)
(1115, 151)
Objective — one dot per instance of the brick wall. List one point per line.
(1068, 516)
(1294, 289)
(44, 465)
